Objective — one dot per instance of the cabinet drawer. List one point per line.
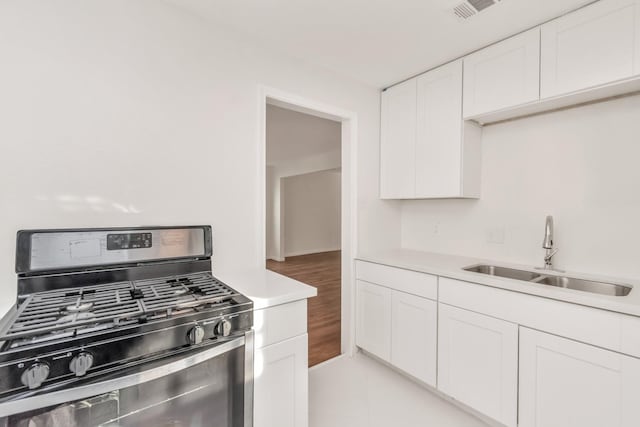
(411, 282)
(279, 323)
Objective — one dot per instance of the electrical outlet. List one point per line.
(496, 235)
(436, 229)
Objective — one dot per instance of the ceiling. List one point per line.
(378, 42)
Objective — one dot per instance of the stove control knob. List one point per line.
(223, 329)
(81, 363)
(195, 335)
(35, 375)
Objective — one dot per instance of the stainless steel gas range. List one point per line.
(124, 327)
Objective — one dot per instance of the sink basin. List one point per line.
(509, 273)
(542, 278)
(584, 285)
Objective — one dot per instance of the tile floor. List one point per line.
(360, 392)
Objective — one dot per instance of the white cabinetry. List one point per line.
(596, 45)
(503, 75)
(478, 362)
(398, 136)
(395, 321)
(566, 383)
(281, 366)
(427, 151)
(414, 323)
(281, 384)
(373, 325)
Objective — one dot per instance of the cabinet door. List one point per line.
(591, 46)
(438, 151)
(281, 388)
(478, 362)
(398, 140)
(503, 75)
(414, 323)
(373, 328)
(564, 383)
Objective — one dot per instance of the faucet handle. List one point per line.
(548, 256)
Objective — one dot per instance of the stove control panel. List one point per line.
(116, 242)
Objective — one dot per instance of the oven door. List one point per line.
(212, 387)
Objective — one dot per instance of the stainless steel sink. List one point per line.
(509, 273)
(543, 278)
(585, 285)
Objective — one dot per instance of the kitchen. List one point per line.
(129, 113)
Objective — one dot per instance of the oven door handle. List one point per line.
(98, 388)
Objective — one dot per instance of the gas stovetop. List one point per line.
(55, 315)
(92, 301)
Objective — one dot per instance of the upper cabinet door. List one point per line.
(567, 383)
(438, 152)
(503, 75)
(595, 45)
(398, 139)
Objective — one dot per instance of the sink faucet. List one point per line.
(547, 243)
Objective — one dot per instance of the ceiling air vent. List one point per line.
(469, 8)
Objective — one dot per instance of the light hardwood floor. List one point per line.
(323, 316)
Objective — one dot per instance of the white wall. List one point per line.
(120, 113)
(580, 165)
(312, 213)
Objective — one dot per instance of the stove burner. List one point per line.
(78, 307)
(70, 318)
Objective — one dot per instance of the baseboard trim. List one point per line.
(311, 251)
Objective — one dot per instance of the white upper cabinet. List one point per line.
(566, 383)
(503, 75)
(592, 46)
(426, 149)
(478, 362)
(438, 154)
(398, 141)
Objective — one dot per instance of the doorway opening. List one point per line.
(303, 201)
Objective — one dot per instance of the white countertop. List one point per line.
(266, 288)
(451, 266)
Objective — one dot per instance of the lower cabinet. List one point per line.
(373, 324)
(399, 328)
(478, 362)
(414, 323)
(281, 384)
(564, 383)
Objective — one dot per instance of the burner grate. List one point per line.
(181, 292)
(70, 308)
(51, 315)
